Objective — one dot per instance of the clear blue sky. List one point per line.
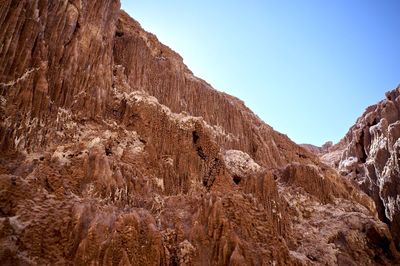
(308, 68)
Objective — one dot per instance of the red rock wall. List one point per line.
(95, 170)
(48, 42)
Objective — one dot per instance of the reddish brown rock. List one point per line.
(113, 153)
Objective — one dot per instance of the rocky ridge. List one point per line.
(114, 153)
(325, 148)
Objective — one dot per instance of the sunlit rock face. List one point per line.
(114, 153)
(369, 154)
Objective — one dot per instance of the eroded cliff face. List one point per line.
(369, 154)
(113, 153)
(155, 68)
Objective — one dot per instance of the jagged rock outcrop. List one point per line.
(113, 153)
(369, 154)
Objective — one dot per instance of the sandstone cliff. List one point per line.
(114, 153)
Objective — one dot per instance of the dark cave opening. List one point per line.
(236, 179)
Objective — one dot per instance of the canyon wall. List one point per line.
(369, 155)
(114, 153)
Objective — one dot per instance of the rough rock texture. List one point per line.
(369, 154)
(113, 153)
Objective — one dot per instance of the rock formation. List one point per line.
(113, 153)
(369, 155)
(325, 148)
